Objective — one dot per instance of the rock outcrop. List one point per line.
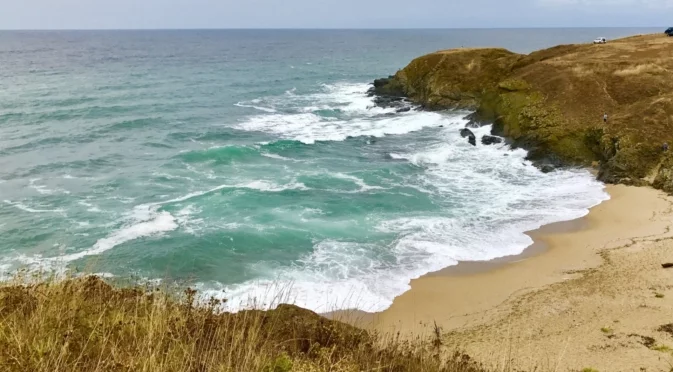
(490, 140)
(552, 102)
(471, 138)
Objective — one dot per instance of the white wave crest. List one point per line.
(275, 156)
(360, 182)
(145, 221)
(260, 108)
(44, 190)
(357, 115)
(28, 209)
(309, 128)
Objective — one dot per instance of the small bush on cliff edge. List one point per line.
(87, 325)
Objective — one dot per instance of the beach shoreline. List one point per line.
(538, 247)
(369, 320)
(578, 281)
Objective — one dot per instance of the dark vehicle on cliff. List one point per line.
(669, 32)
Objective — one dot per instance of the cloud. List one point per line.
(105, 14)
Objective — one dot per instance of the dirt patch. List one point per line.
(666, 328)
(647, 341)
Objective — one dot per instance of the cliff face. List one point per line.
(552, 101)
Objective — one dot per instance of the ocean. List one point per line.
(252, 165)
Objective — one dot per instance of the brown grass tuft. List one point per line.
(648, 68)
(85, 324)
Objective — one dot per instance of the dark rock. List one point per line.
(466, 133)
(378, 83)
(544, 160)
(387, 87)
(388, 102)
(385, 100)
(667, 265)
(471, 139)
(611, 172)
(490, 140)
(441, 126)
(476, 120)
(403, 109)
(632, 181)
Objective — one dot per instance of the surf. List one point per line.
(302, 186)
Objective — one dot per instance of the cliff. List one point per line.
(552, 101)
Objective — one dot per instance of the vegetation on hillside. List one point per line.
(85, 324)
(552, 101)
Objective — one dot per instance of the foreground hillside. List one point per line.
(87, 325)
(552, 101)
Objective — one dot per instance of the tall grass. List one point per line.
(85, 324)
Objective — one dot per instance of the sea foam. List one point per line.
(501, 196)
(302, 119)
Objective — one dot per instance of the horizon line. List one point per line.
(331, 29)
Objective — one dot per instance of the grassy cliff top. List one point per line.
(85, 324)
(631, 79)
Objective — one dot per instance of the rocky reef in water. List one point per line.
(552, 102)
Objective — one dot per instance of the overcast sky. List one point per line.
(135, 14)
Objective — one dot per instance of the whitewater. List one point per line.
(501, 196)
(254, 173)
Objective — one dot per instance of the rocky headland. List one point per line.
(552, 102)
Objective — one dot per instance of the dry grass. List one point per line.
(87, 325)
(582, 71)
(648, 68)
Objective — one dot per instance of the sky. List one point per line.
(168, 14)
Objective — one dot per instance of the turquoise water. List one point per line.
(248, 161)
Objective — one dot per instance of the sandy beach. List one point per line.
(590, 293)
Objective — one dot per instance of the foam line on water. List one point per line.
(357, 115)
(159, 223)
(28, 209)
(309, 128)
(260, 108)
(361, 183)
(149, 220)
(276, 156)
(260, 185)
(44, 190)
